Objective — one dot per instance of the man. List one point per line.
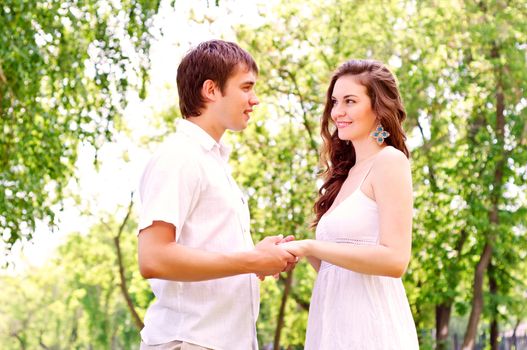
(194, 240)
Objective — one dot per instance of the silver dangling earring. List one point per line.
(379, 134)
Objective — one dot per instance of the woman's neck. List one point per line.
(366, 149)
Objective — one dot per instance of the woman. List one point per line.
(363, 217)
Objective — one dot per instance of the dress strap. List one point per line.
(371, 166)
(366, 175)
(369, 169)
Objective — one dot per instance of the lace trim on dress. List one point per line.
(354, 241)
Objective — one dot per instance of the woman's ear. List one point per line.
(209, 90)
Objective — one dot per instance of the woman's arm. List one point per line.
(392, 187)
(315, 262)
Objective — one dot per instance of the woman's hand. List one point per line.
(299, 249)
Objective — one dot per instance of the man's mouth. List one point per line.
(246, 112)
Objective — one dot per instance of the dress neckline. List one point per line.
(358, 189)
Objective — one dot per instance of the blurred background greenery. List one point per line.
(75, 77)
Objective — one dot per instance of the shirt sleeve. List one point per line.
(169, 189)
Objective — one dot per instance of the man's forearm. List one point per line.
(179, 263)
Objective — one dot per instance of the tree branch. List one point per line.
(135, 316)
(312, 143)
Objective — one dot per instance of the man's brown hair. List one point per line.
(216, 60)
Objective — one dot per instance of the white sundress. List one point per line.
(351, 310)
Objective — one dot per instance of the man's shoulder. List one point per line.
(177, 151)
(177, 145)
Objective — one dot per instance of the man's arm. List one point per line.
(161, 257)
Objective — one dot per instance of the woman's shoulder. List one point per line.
(391, 158)
(392, 154)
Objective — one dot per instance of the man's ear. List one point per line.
(209, 90)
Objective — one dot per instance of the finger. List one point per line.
(291, 257)
(288, 267)
(288, 239)
(274, 239)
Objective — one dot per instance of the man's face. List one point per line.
(237, 100)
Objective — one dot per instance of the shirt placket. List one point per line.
(241, 203)
(245, 232)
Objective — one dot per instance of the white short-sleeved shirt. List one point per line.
(188, 183)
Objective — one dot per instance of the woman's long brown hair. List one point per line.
(338, 156)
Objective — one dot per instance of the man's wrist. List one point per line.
(244, 262)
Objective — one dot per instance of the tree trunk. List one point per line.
(280, 322)
(514, 338)
(442, 320)
(444, 309)
(477, 298)
(496, 194)
(493, 288)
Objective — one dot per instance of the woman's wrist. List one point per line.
(309, 246)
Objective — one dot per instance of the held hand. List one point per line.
(270, 259)
(290, 265)
(297, 248)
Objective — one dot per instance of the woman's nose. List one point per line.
(337, 112)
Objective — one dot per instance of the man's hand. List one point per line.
(269, 258)
(290, 264)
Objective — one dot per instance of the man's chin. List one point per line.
(240, 127)
(244, 125)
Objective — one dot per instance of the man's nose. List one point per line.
(254, 101)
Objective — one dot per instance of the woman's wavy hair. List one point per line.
(338, 156)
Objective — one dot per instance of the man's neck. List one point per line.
(204, 122)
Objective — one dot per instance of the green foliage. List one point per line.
(459, 64)
(444, 55)
(64, 69)
(74, 301)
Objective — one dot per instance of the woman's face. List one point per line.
(351, 111)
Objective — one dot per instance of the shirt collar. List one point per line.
(202, 137)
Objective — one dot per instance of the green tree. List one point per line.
(467, 158)
(76, 300)
(65, 67)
